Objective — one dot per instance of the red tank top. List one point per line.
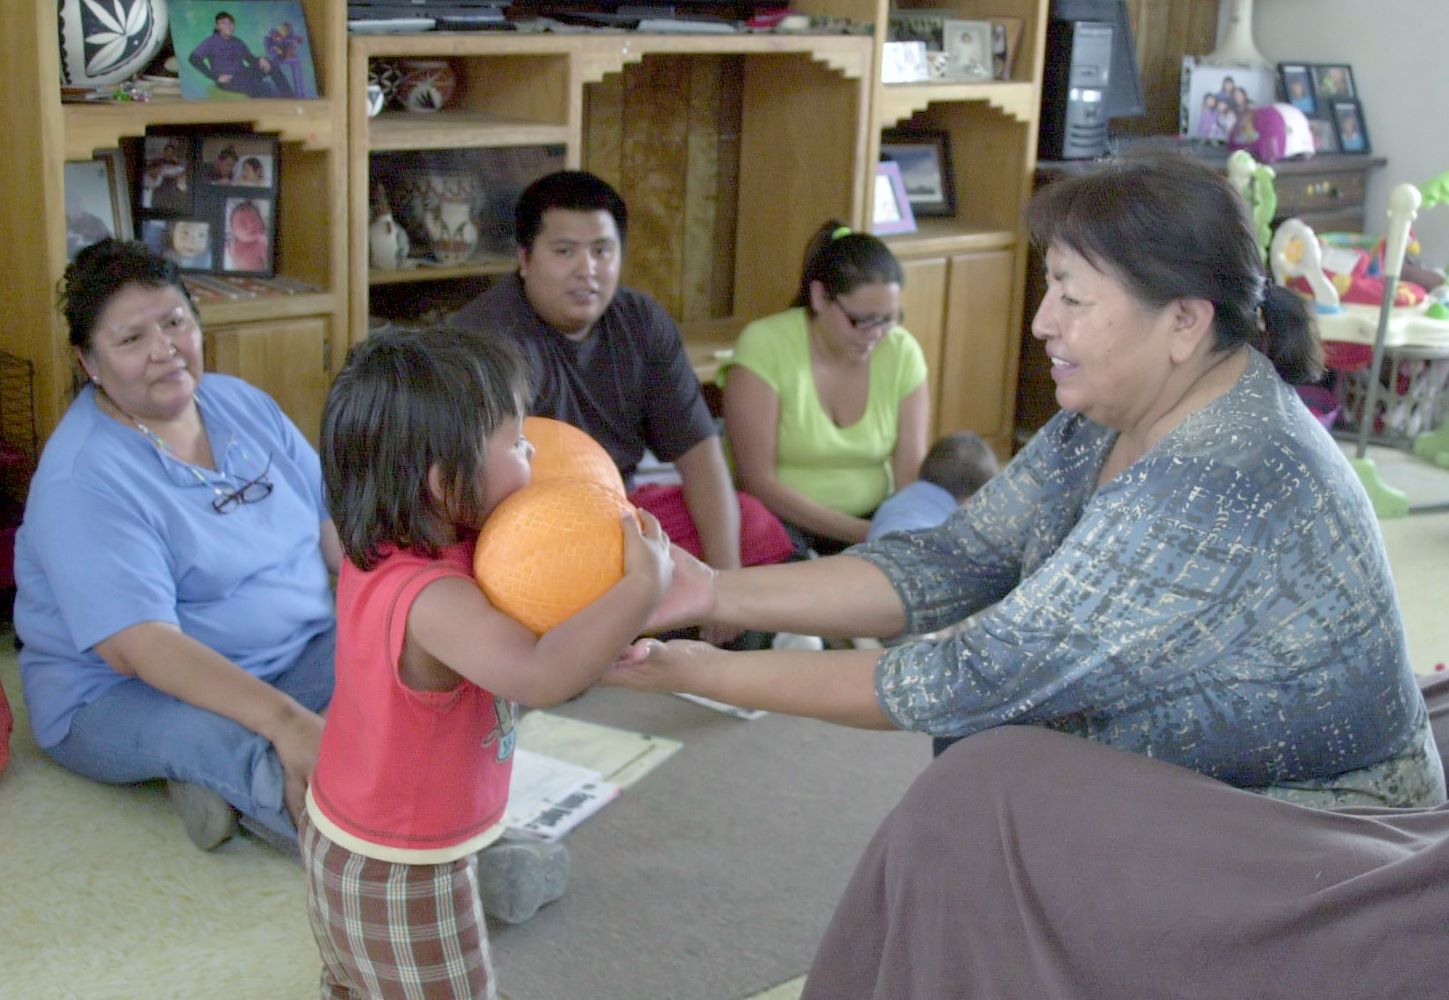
(405, 775)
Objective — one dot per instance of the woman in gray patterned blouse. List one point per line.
(1181, 564)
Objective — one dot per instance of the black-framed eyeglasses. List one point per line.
(259, 487)
(868, 322)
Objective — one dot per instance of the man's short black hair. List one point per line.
(573, 190)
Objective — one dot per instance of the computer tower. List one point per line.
(1074, 87)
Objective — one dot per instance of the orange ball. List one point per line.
(562, 450)
(550, 549)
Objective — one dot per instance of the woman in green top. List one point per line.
(825, 404)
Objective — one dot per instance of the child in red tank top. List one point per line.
(422, 437)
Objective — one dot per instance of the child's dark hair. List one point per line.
(101, 270)
(842, 260)
(959, 463)
(403, 403)
(572, 190)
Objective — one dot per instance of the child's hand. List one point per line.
(646, 553)
(651, 665)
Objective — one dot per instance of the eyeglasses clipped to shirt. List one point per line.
(259, 487)
(868, 322)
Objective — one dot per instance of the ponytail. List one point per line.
(1290, 336)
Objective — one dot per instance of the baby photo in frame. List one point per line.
(97, 201)
(1348, 122)
(184, 241)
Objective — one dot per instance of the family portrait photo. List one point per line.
(1215, 97)
(238, 50)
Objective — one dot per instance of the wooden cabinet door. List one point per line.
(287, 359)
(923, 302)
(978, 348)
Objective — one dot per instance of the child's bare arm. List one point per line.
(453, 625)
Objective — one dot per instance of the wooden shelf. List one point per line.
(402, 130)
(265, 307)
(89, 127)
(945, 236)
(899, 101)
(491, 266)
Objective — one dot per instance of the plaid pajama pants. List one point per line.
(391, 931)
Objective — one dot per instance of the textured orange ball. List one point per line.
(562, 451)
(550, 549)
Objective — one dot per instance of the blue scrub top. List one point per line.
(118, 532)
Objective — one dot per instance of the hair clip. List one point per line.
(840, 231)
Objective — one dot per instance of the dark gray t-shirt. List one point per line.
(629, 383)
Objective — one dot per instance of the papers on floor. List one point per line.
(547, 797)
(721, 706)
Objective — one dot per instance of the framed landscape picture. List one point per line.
(924, 159)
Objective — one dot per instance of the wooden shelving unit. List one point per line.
(286, 344)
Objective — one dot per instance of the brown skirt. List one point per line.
(1034, 865)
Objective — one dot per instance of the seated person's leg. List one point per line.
(134, 733)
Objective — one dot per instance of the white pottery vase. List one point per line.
(453, 232)
(387, 243)
(107, 41)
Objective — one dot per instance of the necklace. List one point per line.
(160, 443)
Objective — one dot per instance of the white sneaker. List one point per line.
(789, 640)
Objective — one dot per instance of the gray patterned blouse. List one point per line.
(1224, 604)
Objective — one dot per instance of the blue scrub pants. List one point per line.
(134, 733)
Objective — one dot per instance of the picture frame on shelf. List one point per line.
(1349, 124)
(228, 224)
(97, 201)
(1214, 96)
(240, 51)
(904, 62)
(1005, 40)
(1297, 85)
(968, 49)
(924, 158)
(1325, 135)
(1333, 82)
(891, 209)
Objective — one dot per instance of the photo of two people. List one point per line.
(239, 49)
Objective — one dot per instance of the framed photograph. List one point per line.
(968, 49)
(187, 242)
(97, 201)
(226, 222)
(924, 159)
(903, 62)
(235, 51)
(1214, 97)
(1333, 82)
(166, 182)
(891, 209)
(1325, 135)
(1298, 87)
(1348, 121)
(1005, 40)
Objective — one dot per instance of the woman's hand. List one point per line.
(297, 738)
(691, 595)
(651, 665)
(646, 553)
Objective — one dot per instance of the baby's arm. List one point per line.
(452, 626)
